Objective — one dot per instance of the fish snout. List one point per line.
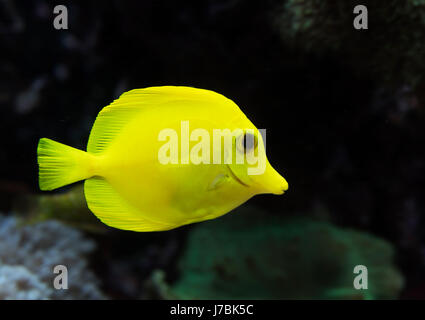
(271, 182)
(279, 186)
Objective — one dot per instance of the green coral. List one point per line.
(392, 48)
(247, 255)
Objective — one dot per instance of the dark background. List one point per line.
(343, 108)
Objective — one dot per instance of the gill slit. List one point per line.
(236, 178)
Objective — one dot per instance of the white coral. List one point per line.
(18, 283)
(40, 247)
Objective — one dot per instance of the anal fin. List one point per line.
(115, 211)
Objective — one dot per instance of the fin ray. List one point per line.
(112, 118)
(60, 164)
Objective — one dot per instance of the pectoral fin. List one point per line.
(218, 181)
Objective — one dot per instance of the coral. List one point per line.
(246, 255)
(40, 247)
(392, 48)
(17, 283)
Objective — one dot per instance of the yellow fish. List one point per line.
(162, 157)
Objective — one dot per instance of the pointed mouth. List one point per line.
(277, 180)
(282, 189)
(272, 182)
(236, 178)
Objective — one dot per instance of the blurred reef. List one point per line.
(247, 254)
(29, 253)
(344, 112)
(68, 207)
(244, 256)
(18, 283)
(391, 49)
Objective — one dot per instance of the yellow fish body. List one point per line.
(137, 178)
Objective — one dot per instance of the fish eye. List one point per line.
(247, 142)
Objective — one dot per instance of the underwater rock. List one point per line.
(42, 246)
(394, 41)
(245, 255)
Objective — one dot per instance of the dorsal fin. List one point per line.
(115, 116)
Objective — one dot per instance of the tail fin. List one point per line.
(60, 165)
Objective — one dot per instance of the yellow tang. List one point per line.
(162, 157)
